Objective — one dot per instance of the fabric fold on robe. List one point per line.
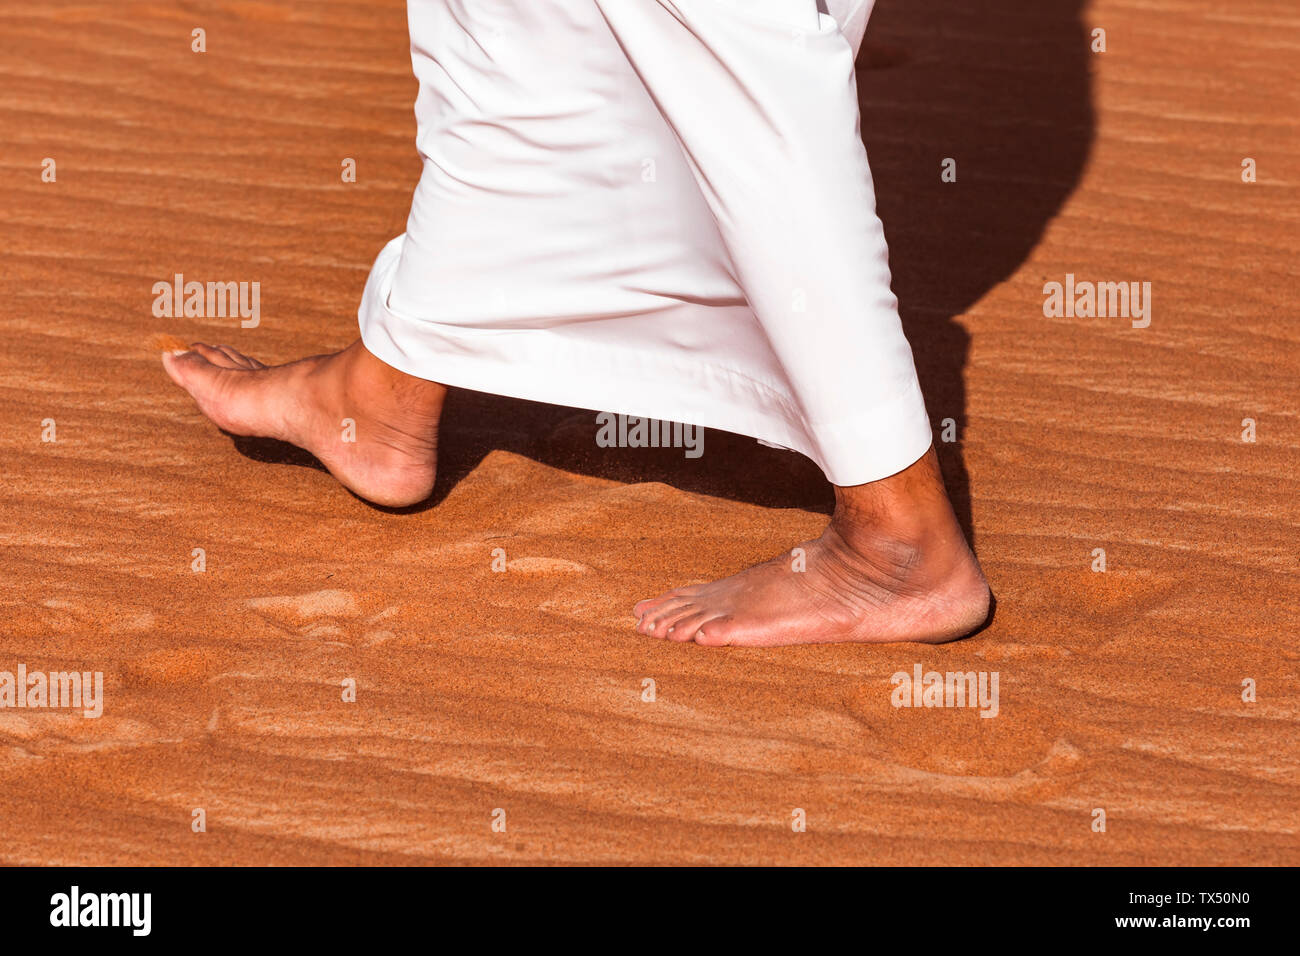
(660, 208)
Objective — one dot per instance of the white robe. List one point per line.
(659, 208)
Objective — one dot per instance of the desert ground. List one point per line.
(521, 695)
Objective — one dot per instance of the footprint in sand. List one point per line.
(301, 608)
(74, 613)
(545, 566)
(313, 615)
(1021, 751)
(329, 615)
(1077, 607)
(173, 666)
(57, 732)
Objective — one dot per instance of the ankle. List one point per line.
(379, 385)
(914, 559)
(918, 538)
(910, 508)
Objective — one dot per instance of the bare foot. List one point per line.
(892, 566)
(373, 427)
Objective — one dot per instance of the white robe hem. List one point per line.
(543, 366)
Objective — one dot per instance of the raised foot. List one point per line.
(373, 427)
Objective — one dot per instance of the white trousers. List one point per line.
(660, 208)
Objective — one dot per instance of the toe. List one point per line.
(227, 396)
(647, 612)
(184, 367)
(685, 628)
(719, 632)
(648, 606)
(217, 355)
(660, 621)
(240, 359)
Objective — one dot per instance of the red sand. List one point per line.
(523, 690)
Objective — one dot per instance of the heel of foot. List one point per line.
(963, 610)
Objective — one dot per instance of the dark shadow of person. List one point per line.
(1002, 88)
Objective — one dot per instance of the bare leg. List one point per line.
(373, 427)
(892, 566)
